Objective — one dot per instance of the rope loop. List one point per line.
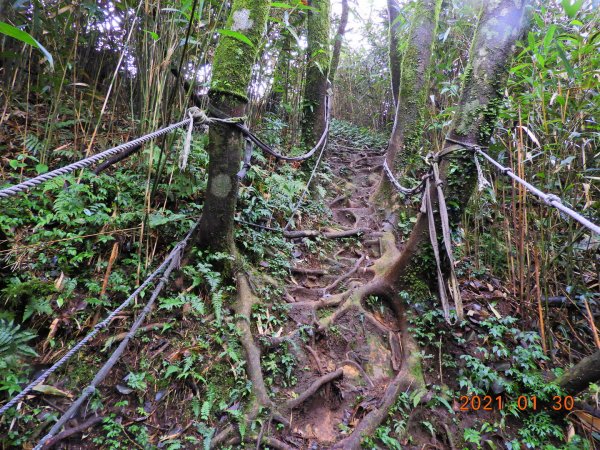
(198, 115)
(552, 198)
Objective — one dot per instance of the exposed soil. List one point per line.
(365, 344)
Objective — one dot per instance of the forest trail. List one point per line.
(362, 340)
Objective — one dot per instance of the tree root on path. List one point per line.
(409, 377)
(260, 399)
(325, 234)
(402, 347)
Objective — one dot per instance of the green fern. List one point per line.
(33, 144)
(217, 303)
(13, 344)
(37, 306)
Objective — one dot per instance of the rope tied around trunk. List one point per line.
(433, 182)
(198, 118)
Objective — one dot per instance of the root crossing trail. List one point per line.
(353, 353)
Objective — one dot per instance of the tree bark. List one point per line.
(280, 75)
(500, 25)
(405, 142)
(337, 44)
(579, 377)
(317, 71)
(394, 55)
(232, 71)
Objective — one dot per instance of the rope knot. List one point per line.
(552, 198)
(198, 115)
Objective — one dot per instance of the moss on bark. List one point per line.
(500, 26)
(232, 70)
(317, 71)
(405, 142)
(232, 65)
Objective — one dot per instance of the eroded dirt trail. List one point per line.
(360, 338)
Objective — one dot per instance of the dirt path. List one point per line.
(363, 340)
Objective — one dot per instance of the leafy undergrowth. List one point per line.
(184, 376)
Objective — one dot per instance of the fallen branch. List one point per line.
(579, 377)
(119, 337)
(74, 430)
(324, 234)
(305, 271)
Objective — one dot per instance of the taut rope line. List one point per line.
(174, 254)
(549, 199)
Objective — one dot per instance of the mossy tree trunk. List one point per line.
(394, 54)
(232, 71)
(281, 75)
(337, 41)
(405, 142)
(317, 71)
(579, 377)
(500, 25)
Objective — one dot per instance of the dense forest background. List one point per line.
(79, 77)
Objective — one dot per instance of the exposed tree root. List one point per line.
(294, 403)
(243, 308)
(325, 234)
(409, 377)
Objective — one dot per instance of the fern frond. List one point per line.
(13, 343)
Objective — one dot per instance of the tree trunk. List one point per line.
(406, 139)
(317, 71)
(337, 44)
(394, 55)
(500, 25)
(579, 377)
(280, 75)
(232, 71)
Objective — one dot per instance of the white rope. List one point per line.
(549, 199)
(482, 181)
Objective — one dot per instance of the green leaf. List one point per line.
(153, 35)
(15, 164)
(549, 36)
(565, 60)
(41, 168)
(280, 5)
(26, 38)
(236, 35)
(572, 7)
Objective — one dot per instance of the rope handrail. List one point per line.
(195, 116)
(266, 147)
(83, 163)
(172, 255)
(323, 143)
(172, 262)
(403, 190)
(203, 102)
(549, 199)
